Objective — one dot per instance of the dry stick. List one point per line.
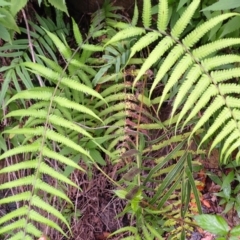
(31, 46)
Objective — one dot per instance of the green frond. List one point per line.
(35, 216)
(154, 56)
(113, 89)
(230, 150)
(195, 72)
(146, 13)
(223, 116)
(46, 94)
(64, 102)
(228, 128)
(164, 143)
(38, 202)
(184, 19)
(232, 102)
(114, 108)
(51, 64)
(39, 184)
(202, 102)
(200, 31)
(22, 235)
(50, 134)
(19, 166)
(144, 41)
(56, 156)
(236, 114)
(126, 33)
(78, 63)
(116, 97)
(214, 106)
(192, 76)
(169, 61)
(63, 49)
(44, 168)
(162, 15)
(196, 93)
(77, 34)
(207, 49)
(135, 14)
(21, 223)
(228, 88)
(180, 69)
(20, 149)
(217, 61)
(67, 82)
(54, 136)
(238, 157)
(232, 138)
(27, 112)
(17, 197)
(223, 75)
(16, 183)
(15, 213)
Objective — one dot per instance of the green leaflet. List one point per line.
(126, 33)
(146, 15)
(59, 4)
(162, 15)
(185, 19)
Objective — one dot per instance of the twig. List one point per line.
(31, 46)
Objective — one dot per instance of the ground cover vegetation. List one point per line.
(119, 125)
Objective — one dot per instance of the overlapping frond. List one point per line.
(200, 73)
(50, 130)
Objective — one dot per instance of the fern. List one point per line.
(18, 51)
(51, 120)
(119, 117)
(193, 70)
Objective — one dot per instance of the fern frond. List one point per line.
(47, 94)
(162, 15)
(126, 33)
(185, 19)
(38, 202)
(154, 56)
(35, 216)
(216, 104)
(135, 14)
(64, 50)
(67, 82)
(204, 82)
(200, 31)
(146, 14)
(144, 42)
(179, 70)
(172, 57)
(212, 47)
(77, 33)
(223, 116)
(20, 149)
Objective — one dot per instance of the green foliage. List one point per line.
(196, 72)
(223, 5)
(9, 11)
(229, 194)
(218, 225)
(102, 97)
(19, 52)
(51, 121)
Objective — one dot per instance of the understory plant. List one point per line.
(101, 101)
